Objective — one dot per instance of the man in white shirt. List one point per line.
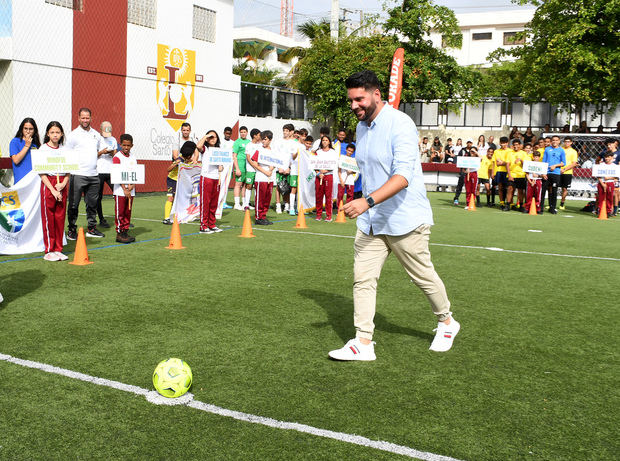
(393, 216)
(88, 144)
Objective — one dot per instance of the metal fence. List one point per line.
(270, 101)
(496, 113)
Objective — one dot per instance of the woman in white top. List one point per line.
(482, 146)
(53, 196)
(209, 184)
(324, 180)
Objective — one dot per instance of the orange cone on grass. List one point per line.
(246, 231)
(602, 214)
(472, 203)
(533, 209)
(175, 236)
(301, 219)
(80, 257)
(341, 218)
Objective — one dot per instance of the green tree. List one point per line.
(571, 55)
(428, 72)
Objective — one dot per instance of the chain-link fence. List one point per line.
(146, 66)
(590, 149)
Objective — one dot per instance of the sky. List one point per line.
(266, 13)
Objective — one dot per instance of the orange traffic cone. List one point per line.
(341, 218)
(80, 257)
(175, 236)
(246, 231)
(602, 214)
(301, 219)
(533, 209)
(472, 203)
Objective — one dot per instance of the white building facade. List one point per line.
(147, 66)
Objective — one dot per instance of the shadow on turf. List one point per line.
(19, 284)
(339, 310)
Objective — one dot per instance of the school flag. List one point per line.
(396, 78)
(187, 198)
(305, 181)
(20, 216)
(224, 182)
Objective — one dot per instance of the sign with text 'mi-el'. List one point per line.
(602, 170)
(471, 163)
(127, 174)
(62, 162)
(535, 167)
(217, 157)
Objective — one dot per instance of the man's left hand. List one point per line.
(355, 208)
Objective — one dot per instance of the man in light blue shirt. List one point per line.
(555, 157)
(393, 215)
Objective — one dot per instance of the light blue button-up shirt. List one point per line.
(389, 146)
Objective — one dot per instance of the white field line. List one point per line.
(601, 258)
(187, 400)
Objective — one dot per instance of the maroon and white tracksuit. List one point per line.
(122, 212)
(264, 190)
(471, 182)
(606, 195)
(122, 204)
(342, 190)
(209, 195)
(324, 189)
(53, 215)
(534, 192)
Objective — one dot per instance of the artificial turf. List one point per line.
(532, 375)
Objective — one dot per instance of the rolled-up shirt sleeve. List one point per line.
(405, 150)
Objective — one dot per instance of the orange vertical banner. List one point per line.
(396, 78)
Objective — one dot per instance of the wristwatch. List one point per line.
(370, 201)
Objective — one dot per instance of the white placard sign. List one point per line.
(348, 163)
(324, 162)
(471, 163)
(127, 174)
(218, 157)
(270, 158)
(602, 170)
(535, 167)
(65, 161)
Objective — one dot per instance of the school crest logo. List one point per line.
(176, 80)
(12, 217)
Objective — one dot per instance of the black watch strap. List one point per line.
(370, 201)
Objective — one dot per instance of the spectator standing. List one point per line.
(482, 146)
(492, 142)
(566, 172)
(88, 144)
(20, 149)
(104, 167)
(239, 166)
(555, 157)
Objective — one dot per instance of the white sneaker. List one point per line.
(61, 256)
(354, 350)
(285, 207)
(51, 257)
(445, 336)
(238, 207)
(278, 208)
(216, 229)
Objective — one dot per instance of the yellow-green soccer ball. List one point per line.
(172, 378)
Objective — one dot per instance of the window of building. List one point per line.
(73, 4)
(457, 37)
(142, 12)
(204, 24)
(511, 38)
(482, 36)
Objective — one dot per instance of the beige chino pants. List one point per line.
(412, 251)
